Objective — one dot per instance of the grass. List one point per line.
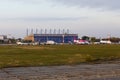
(17, 56)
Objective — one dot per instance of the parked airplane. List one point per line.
(81, 42)
(105, 42)
(21, 43)
(50, 42)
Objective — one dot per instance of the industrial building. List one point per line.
(58, 38)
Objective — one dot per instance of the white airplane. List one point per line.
(20, 43)
(50, 42)
(81, 42)
(105, 42)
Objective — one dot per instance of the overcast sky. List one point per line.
(86, 17)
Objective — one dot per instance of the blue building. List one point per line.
(58, 38)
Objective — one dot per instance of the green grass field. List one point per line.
(17, 56)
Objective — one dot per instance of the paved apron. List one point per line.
(76, 72)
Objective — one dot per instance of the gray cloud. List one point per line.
(44, 19)
(104, 4)
(27, 1)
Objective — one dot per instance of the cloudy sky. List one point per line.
(86, 17)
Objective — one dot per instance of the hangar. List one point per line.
(58, 38)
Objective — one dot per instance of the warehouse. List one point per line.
(58, 38)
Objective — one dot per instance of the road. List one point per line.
(104, 71)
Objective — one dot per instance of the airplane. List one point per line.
(81, 42)
(105, 42)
